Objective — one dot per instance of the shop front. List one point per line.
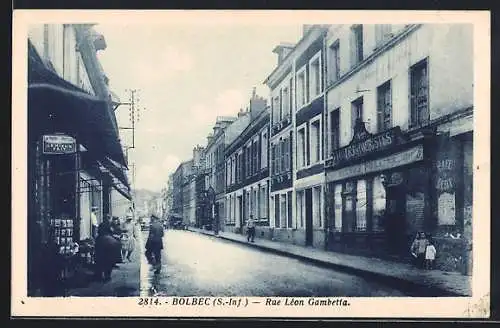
(68, 131)
(378, 192)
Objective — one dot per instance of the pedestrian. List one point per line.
(93, 220)
(418, 249)
(128, 238)
(430, 255)
(105, 247)
(154, 244)
(116, 232)
(250, 229)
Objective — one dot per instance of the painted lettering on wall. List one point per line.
(445, 181)
(445, 186)
(359, 149)
(408, 156)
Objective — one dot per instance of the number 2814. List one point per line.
(143, 301)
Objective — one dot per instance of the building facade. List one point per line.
(75, 159)
(247, 171)
(297, 130)
(169, 194)
(398, 126)
(178, 179)
(215, 173)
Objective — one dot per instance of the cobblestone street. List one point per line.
(195, 265)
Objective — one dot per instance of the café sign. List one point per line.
(58, 144)
(364, 143)
(399, 159)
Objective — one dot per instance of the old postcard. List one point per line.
(287, 164)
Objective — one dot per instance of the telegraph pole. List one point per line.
(134, 117)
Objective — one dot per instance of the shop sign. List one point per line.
(402, 158)
(58, 144)
(364, 143)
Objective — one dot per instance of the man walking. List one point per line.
(250, 229)
(154, 244)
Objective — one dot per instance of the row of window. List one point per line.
(383, 33)
(254, 202)
(248, 161)
(419, 105)
(309, 77)
(309, 145)
(350, 207)
(309, 203)
(281, 156)
(308, 87)
(309, 150)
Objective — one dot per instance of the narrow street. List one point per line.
(198, 265)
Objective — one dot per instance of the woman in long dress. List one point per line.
(128, 238)
(105, 247)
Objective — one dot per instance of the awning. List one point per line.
(116, 177)
(117, 170)
(56, 105)
(122, 189)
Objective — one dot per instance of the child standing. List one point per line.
(430, 256)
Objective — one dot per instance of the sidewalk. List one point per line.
(447, 283)
(125, 281)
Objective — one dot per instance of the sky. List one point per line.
(187, 75)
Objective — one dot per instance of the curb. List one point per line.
(414, 288)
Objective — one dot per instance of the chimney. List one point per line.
(209, 138)
(241, 113)
(257, 104)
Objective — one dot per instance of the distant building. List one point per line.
(215, 171)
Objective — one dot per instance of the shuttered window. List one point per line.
(384, 106)
(419, 94)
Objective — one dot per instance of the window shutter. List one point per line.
(273, 154)
(388, 107)
(380, 109)
(352, 47)
(354, 111)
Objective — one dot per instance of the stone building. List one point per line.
(399, 127)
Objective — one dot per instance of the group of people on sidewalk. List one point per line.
(115, 243)
(423, 251)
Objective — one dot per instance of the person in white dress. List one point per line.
(128, 237)
(430, 256)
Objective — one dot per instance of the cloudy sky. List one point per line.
(187, 75)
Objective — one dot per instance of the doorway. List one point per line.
(396, 220)
(240, 212)
(309, 217)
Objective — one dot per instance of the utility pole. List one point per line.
(134, 117)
